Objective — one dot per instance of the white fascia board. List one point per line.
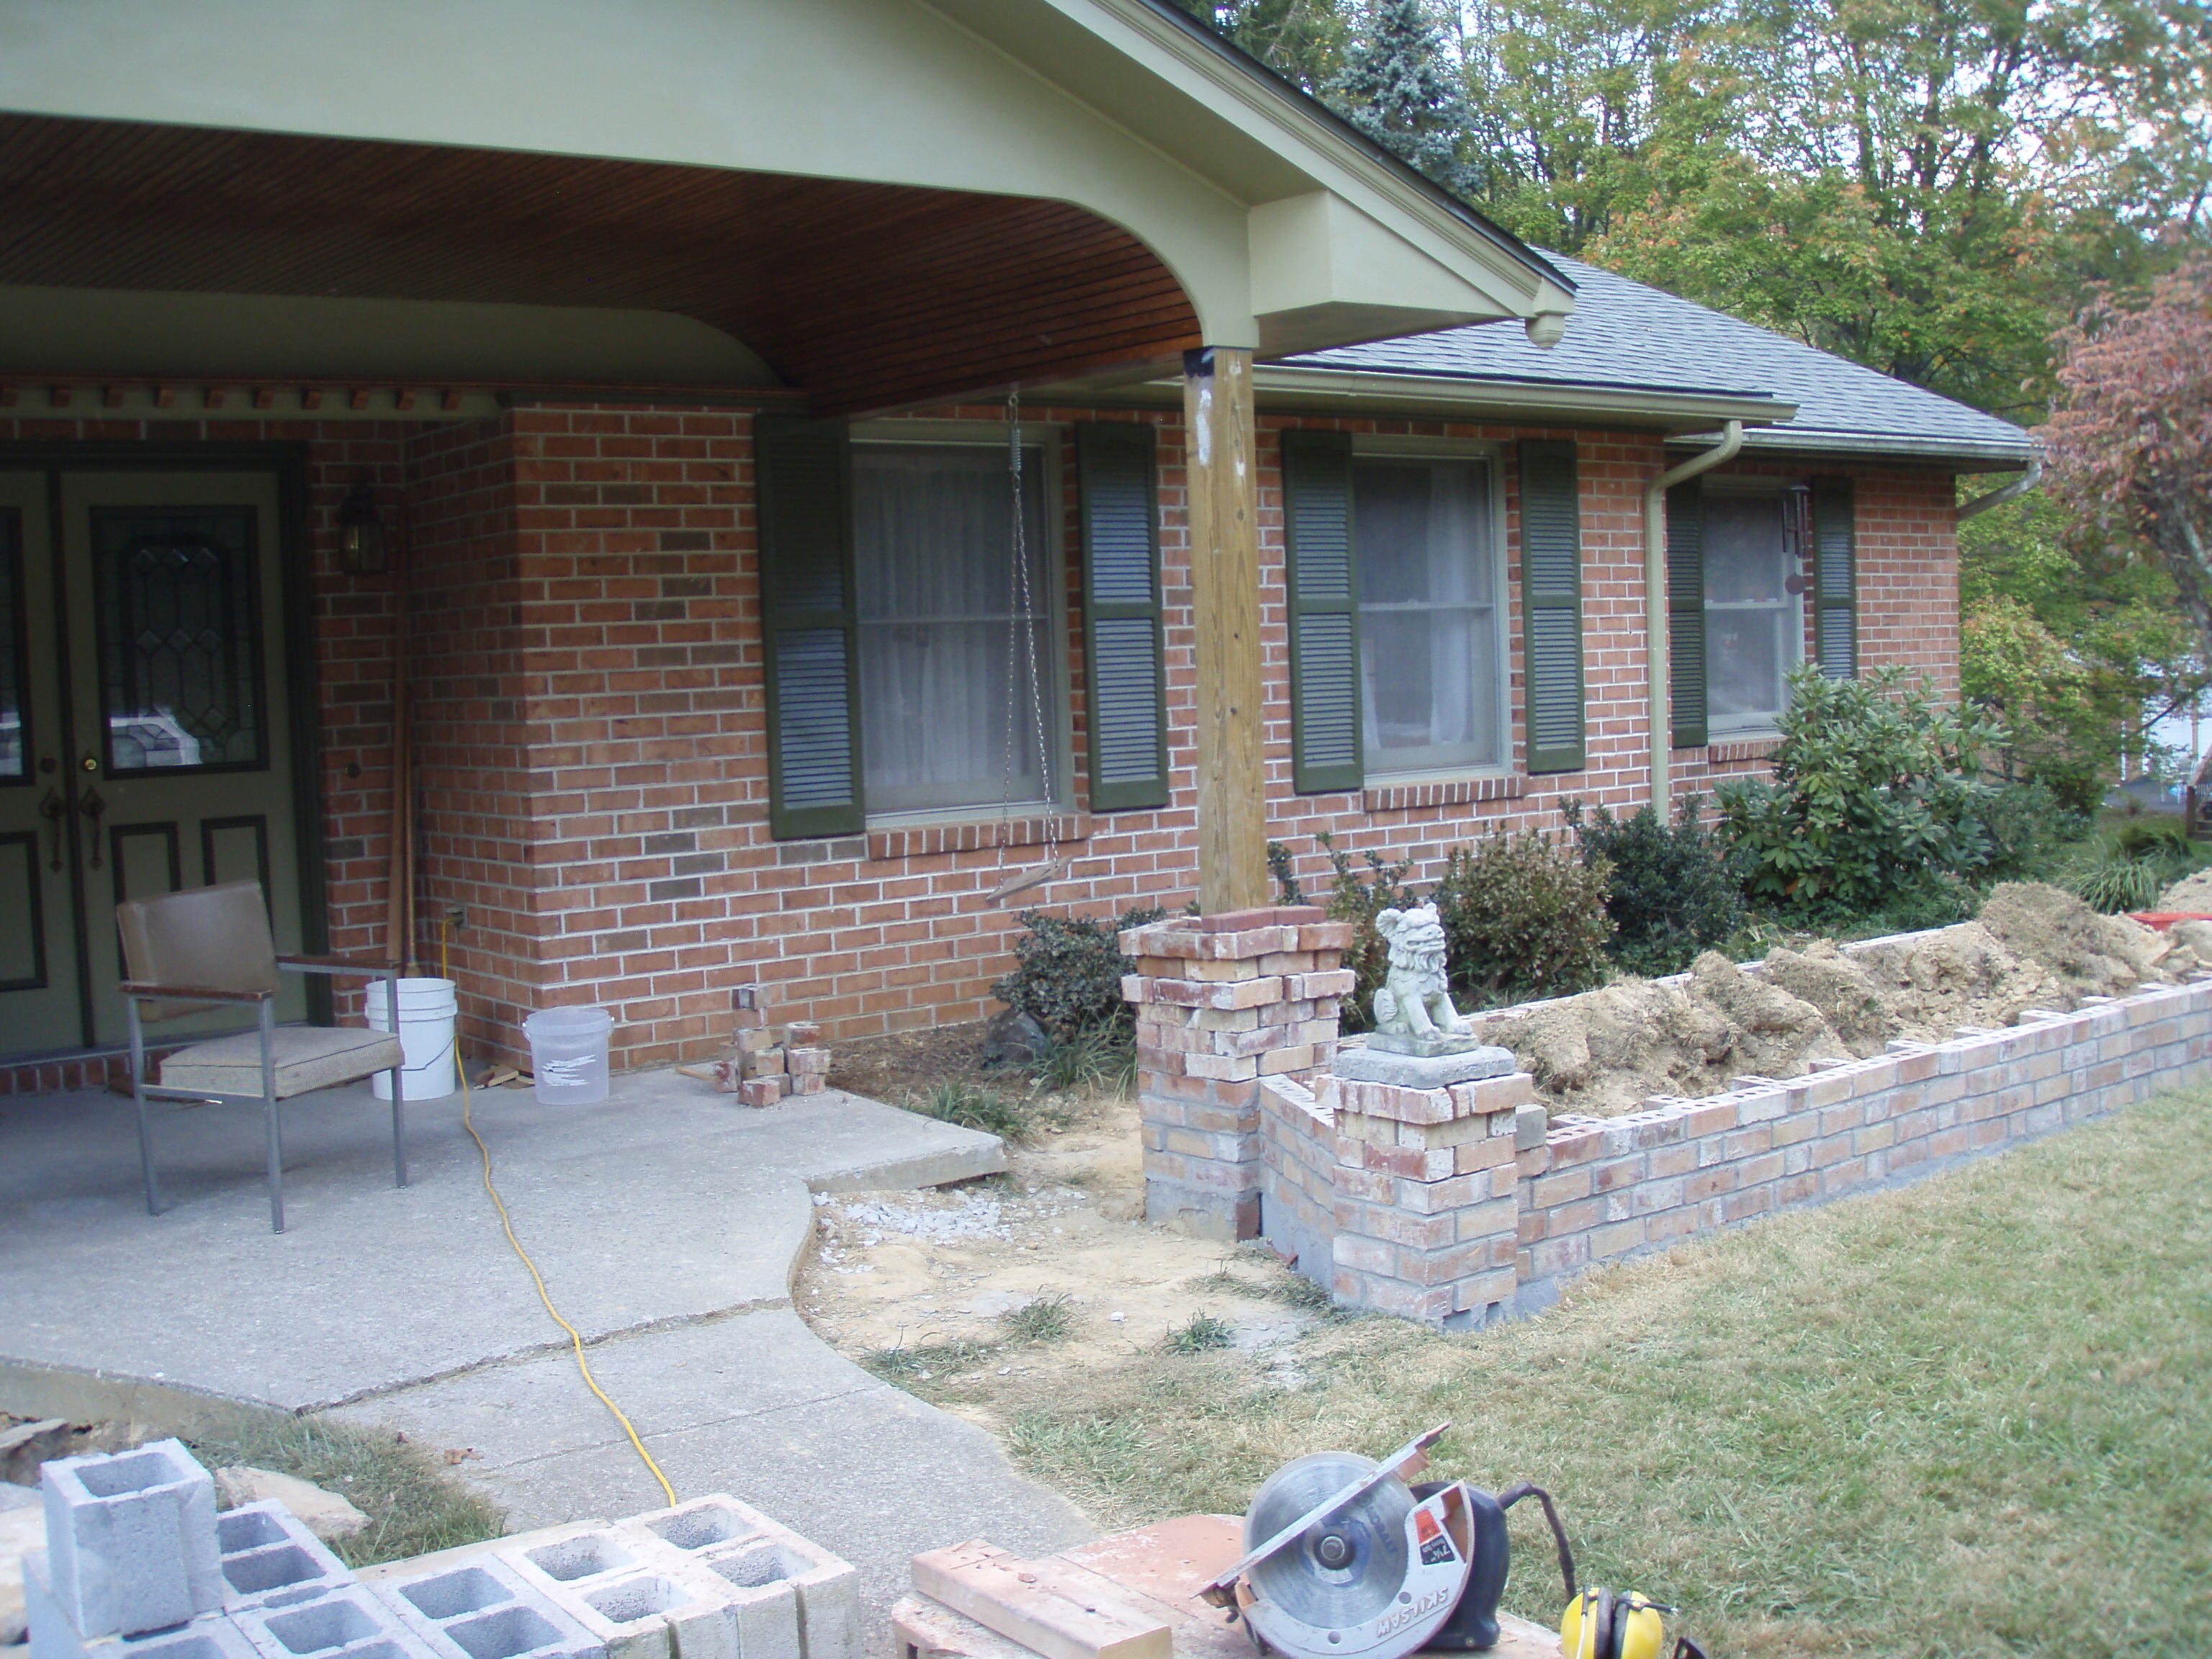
(1800, 440)
(1674, 412)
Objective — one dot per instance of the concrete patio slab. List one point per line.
(665, 1221)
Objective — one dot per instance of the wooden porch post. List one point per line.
(1224, 495)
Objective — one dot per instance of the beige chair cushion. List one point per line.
(308, 1057)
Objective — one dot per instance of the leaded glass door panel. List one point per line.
(181, 746)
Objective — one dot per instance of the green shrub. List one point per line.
(1359, 901)
(1876, 793)
(1675, 891)
(2121, 884)
(972, 1107)
(1523, 918)
(1067, 973)
(2026, 823)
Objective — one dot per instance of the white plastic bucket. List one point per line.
(426, 1037)
(568, 1053)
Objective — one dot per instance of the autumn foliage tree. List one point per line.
(2129, 447)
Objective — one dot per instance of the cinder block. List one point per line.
(131, 1539)
(346, 1623)
(269, 1558)
(482, 1609)
(211, 1636)
(785, 1597)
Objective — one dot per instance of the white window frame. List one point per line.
(1050, 437)
(1490, 456)
(1743, 729)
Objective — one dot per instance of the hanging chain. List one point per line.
(1024, 604)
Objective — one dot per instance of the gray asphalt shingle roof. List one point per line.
(1626, 335)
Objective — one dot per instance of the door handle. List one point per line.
(52, 810)
(92, 807)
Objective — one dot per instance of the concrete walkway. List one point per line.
(667, 1223)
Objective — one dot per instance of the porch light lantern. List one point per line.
(362, 545)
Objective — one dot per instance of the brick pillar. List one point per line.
(1427, 1201)
(1223, 1001)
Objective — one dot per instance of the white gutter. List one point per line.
(2011, 492)
(1656, 665)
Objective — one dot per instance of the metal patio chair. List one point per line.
(185, 951)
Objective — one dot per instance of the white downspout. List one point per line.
(1656, 667)
(2011, 492)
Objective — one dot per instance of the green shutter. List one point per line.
(1551, 604)
(1122, 628)
(1324, 604)
(1835, 581)
(805, 475)
(1686, 612)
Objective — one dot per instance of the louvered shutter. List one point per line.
(804, 471)
(1122, 614)
(1551, 604)
(1324, 602)
(1686, 612)
(1835, 578)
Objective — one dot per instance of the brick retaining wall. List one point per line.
(1595, 1190)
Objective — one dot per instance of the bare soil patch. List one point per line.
(919, 1285)
(907, 1064)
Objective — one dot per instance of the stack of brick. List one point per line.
(761, 1071)
(138, 1565)
(1427, 1206)
(1223, 1001)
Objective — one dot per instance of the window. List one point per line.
(1755, 625)
(898, 637)
(1430, 650)
(1397, 610)
(947, 631)
(1741, 557)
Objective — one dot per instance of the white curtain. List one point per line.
(1428, 620)
(934, 562)
(1751, 617)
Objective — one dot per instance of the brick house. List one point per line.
(671, 372)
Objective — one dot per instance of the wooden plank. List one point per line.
(1054, 1610)
(1223, 495)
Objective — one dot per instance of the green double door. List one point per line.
(145, 739)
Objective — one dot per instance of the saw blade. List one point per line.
(1348, 1566)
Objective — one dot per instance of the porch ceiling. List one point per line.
(865, 295)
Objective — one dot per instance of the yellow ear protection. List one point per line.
(1600, 1625)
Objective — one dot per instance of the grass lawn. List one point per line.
(1970, 1417)
(413, 1503)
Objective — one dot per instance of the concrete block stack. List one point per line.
(1223, 1001)
(139, 1565)
(1427, 1196)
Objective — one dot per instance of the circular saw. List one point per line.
(1344, 1559)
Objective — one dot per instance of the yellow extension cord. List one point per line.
(575, 1337)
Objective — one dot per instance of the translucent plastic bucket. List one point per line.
(426, 1037)
(568, 1053)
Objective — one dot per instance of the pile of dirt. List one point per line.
(1606, 1052)
(2192, 892)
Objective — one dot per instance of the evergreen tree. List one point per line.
(1402, 85)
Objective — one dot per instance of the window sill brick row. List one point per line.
(1752, 749)
(1451, 792)
(976, 836)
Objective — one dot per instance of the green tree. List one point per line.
(1401, 85)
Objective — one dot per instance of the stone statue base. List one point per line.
(1427, 1048)
(1466, 1064)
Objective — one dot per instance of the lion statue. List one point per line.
(1414, 999)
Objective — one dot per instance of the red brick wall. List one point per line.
(590, 744)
